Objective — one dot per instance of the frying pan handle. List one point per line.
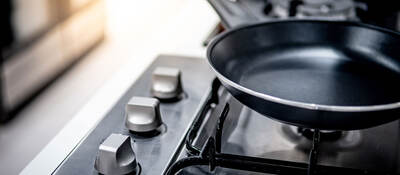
(232, 13)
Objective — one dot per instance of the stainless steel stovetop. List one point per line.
(191, 130)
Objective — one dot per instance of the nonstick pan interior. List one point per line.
(319, 75)
(313, 63)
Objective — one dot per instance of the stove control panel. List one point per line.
(142, 132)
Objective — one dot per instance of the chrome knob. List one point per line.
(143, 114)
(166, 83)
(116, 156)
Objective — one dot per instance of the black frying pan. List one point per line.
(315, 74)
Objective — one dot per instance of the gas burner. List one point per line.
(336, 140)
(321, 9)
(325, 134)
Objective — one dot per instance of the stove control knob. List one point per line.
(116, 156)
(166, 83)
(143, 114)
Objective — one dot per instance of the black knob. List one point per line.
(267, 7)
(293, 7)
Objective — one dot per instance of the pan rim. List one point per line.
(304, 105)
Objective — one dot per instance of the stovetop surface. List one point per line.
(249, 133)
(245, 132)
(375, 149)
(368, 149)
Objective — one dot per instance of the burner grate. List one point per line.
(212, 156)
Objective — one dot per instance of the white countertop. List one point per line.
(138, 32)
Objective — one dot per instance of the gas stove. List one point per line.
(177, 118)
(240, 12)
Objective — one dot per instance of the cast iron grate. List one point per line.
(212, 155)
